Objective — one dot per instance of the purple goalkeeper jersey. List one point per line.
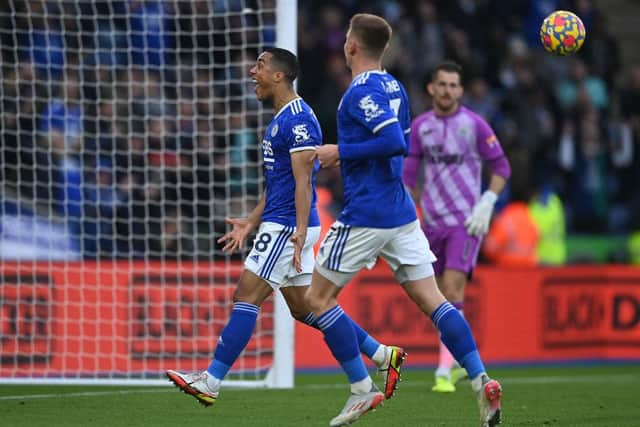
(453, 149)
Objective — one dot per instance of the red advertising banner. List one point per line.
(517, 316)
(105, 318)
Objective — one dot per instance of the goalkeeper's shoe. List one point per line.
(357, 405)
(447, 384)
(391, 369)
(489, 402)
(458, 374)
(443, 384)
(195, 385)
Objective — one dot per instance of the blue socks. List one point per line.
(456, 335)
(341, 337)
(234, 338)
(367, 344)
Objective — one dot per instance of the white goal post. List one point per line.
(129, 133)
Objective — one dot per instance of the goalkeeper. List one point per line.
(282, 255)
(451, 142)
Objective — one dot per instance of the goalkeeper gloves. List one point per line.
(477, 223)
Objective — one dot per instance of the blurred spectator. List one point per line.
(151, 34)
(430, 37)
(62, 163)
(102, 199)
(601, 51)
(513, 236)
(547, 211)
(583, 159)
(630, 100)
(581, 88)
(42, 42)
(64, 113)
(480, 98)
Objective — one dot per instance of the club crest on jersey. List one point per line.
(274, 130)
(370, 108)
(301, 133)
(491, 140)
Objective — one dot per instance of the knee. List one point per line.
(240, 296)
(453, 288)
(450, 294)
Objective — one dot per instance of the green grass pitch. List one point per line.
(540, 396)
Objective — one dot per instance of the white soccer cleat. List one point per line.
(489, 402)
(195, 385)
(357, 405)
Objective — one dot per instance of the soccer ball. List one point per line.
(562, 33)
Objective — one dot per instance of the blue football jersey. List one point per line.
(374, 194)
(294, 128)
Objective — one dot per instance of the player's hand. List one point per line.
(328, 155)
(298, 239)
(477, 224)
(234, 239)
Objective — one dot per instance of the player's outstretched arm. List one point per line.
(241, 228)
(302, 168)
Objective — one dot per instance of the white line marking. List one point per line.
(586, 379)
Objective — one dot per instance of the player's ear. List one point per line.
(278, 76)
(351, 46)
(430, 88)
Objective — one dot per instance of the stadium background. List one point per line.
(121, 181)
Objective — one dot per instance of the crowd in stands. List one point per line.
(136, 122)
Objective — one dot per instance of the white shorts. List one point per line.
(346, 250)
(271, 257)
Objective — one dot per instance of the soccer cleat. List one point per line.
(195, 385)
(458, 374)
(489, 402)
(357, 405)
(391, 369)
(443, 385)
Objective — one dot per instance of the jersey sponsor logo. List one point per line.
(301, 133)
(267, 150)
(370, 109)
(491, 140)
(447, 159)
(274, 130)
(255, 258)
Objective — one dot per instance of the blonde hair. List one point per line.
(372, 31)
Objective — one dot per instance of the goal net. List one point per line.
(129, 134)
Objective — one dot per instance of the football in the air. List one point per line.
(562, 33)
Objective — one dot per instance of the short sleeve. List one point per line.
(369, 105)
(302, 133)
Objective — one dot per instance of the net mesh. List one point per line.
(129, 134)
